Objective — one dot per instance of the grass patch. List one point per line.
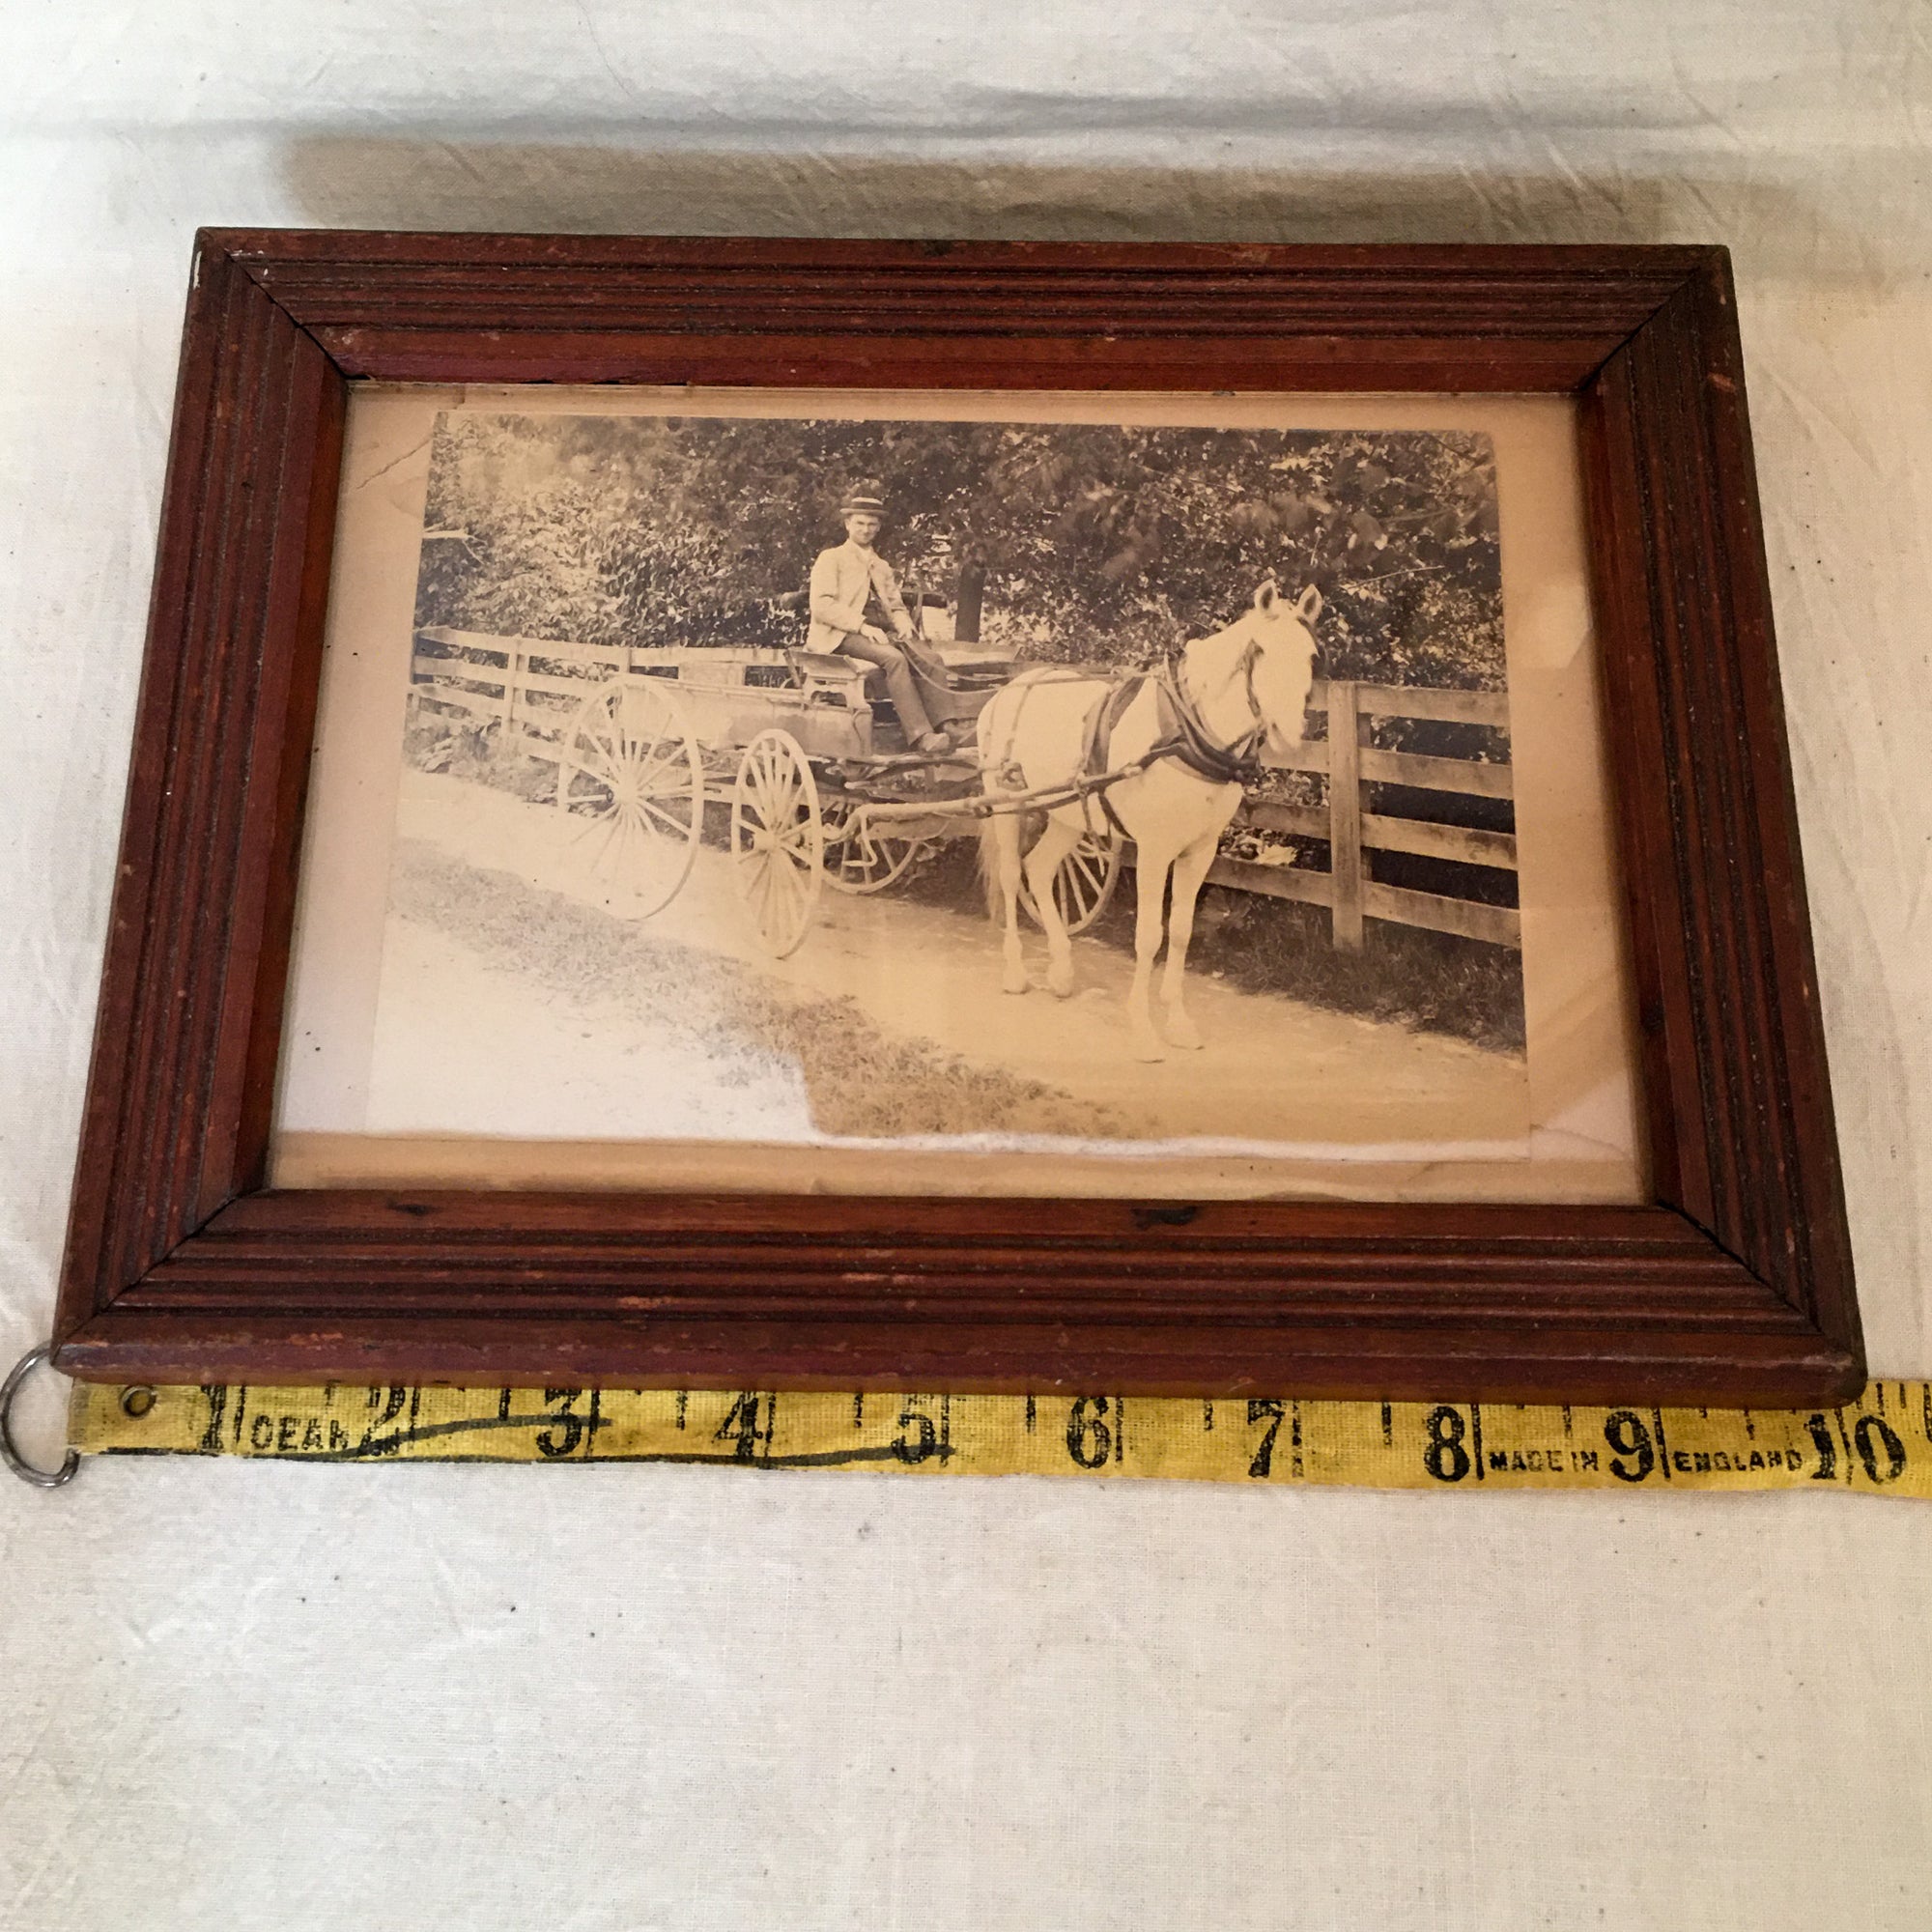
(861, 1083)
(454, 749)
(1431, 981)
(1434, 981)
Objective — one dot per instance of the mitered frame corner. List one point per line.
(1734, 1284)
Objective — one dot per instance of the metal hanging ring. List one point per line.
(42, 1479)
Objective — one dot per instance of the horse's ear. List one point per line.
(1308, 605)
(1265, 595)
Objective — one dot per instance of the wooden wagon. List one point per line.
(821, 788)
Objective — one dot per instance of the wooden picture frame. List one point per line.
(1733, 1284)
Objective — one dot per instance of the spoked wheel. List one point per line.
(778, 839)
(631, 784)
(1084, 883)
(870, 861)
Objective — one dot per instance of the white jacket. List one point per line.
(842, 579)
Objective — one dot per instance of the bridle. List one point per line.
(1242, 757)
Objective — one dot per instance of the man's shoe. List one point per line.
(937, 743)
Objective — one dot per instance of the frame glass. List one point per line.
(535, 998)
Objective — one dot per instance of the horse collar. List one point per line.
(1223, 764)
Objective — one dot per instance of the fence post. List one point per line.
(1344, 815)
(509, 740)
(419, 677)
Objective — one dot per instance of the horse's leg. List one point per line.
(1151, 882)
(1003, 828)
(1043, 863)
(1189, 870)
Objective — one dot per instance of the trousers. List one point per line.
(900, 684)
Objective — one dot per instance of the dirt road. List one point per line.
(1272, 1069)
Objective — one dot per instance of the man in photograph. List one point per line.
(845, 580)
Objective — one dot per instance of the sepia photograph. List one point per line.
(1022, 787)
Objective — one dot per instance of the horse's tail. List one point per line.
(989, 869)
(992, 729)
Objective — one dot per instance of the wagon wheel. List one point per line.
(778, 839)
(630, 783)
(871, 862)
(1085, 881)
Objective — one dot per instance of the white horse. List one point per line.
(1241, 690)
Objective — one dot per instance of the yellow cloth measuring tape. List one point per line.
(1881, 1444)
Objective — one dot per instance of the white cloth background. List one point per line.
(269, 1697)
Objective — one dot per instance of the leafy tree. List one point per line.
(1100, 543)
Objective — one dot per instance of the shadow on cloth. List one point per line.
(537, 188)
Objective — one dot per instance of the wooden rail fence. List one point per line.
(1350, 830)
(490, 679)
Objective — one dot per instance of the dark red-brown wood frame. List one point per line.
(1734, 1286)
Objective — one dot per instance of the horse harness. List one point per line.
(1181, 736)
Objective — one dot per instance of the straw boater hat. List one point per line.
(863, 497)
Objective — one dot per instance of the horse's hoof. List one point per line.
(1060, 984)
(1147, 1051)
(1183, 1034)
(1011, 984)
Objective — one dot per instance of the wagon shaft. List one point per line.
(907, 821)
